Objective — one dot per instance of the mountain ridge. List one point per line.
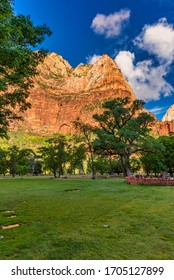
(61, 93)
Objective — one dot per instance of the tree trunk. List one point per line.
(125, 166)
(93, 175)
(128, 171)
(54, 172)
(171, 173)
(93, 169)
(13, 172)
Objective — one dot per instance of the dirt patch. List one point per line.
(10, 226)
(11, 217)
(8, 211)
(74, 190)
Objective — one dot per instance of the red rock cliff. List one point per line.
(61, 93)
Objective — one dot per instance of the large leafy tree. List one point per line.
(161, 159)
(18, 61)
(123, 130)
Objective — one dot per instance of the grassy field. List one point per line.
(105, 219)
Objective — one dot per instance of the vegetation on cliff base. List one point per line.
(18, 61)
(122, 143)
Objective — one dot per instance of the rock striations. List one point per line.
(61, 94)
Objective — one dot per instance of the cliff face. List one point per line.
(61, 94)
(163, 128)
(167, 124)
(169, 116)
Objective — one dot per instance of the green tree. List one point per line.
(168, 152)
(102, 165)
(107, 164)
(3, 162)
(18, 61)
(153, 163)
(18, 160)
(123, 130)
(55, 154)
(35, 166)
(87, 137)
(135, 164)
(115, 166)
(77, 155)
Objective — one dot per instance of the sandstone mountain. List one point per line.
(62, 93)
(169, 116)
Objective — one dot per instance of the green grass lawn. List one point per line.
(106, 219)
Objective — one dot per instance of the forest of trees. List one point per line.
(121, 143)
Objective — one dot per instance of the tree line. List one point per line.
(121, 143)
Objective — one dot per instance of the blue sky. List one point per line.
(138, 35)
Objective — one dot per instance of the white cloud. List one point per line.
(125, 62)
(92, 59)
(147, 81)
(157, 110)
(158, 39)
(110, 25)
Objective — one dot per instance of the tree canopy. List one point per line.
(18, 61)
(55, 154)
(168, 152)
(123, 130)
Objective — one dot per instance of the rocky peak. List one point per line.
(169, 116)
(81, 70)
(53, 66)
(54, 62)
(104, 60)
(62, 93)
(105, 74)
(58, 77)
